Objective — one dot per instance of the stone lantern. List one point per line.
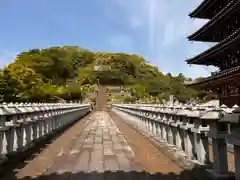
(218, 131)
(234, 136)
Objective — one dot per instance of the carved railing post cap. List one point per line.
(236, 110)
(10, 104)
(233, 117)
(212, 114)
(2, 111)
(235, 106)
(223, 106)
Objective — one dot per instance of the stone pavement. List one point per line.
(101, 147)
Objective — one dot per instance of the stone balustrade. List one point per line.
(22, 125)
(188, 129)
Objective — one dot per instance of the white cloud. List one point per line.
(146, 15)
(164, 26)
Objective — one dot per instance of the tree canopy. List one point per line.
(69, 72)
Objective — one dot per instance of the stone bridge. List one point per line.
(70, 141)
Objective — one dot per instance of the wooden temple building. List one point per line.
(223, 28)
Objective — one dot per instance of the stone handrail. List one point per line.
(188, 129)
(22, 125)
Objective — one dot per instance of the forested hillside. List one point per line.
(71, 72)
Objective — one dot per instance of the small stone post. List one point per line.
(3, 128)
(188, 135)
(200, 137)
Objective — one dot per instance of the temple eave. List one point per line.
(209, 31)
(200, 11)
(207, 56)
(199, 16)
(201, 83)
(205, 63)
(200, 38)
(216, 79)
(202, 60)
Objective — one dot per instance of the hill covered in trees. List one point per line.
(70, 72)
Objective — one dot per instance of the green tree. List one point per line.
(67, 73)
(15, 80)
(138, 91)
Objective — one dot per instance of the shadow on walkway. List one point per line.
(194, 174)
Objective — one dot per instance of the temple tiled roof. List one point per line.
(206, 9)
(208, 57)
(218, 77)
(209, 31)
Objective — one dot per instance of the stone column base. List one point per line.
(213, 175)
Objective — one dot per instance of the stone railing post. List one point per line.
(234, 136)
(150, 121)
(155, 122)
(21, 125)
(164, 127)
(169, 114)
(158, 123)
(189, 128)
(11, 123)
(176, 124)
(199, 130)
(191, 138)
(218, 132)
(181, 128)
(3, 128)
(174, 127)
(160, 119)
(186, 133)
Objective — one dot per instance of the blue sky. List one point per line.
(154, 29)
